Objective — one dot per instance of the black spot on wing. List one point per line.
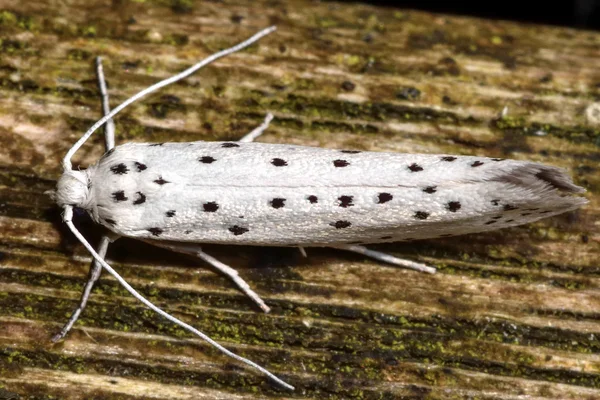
(340, 163)
(491, 222)
(139, 166)
(509, 207)
(238, 230)
(345, 201)
(340, 224)
(430, 189)
(278, 162)
(414, 167)
(277, 202)
(207, 159)
(119, 169)
(495, 202)
(110, 221)
(229, 145)
(476, 163)
(141, 198)
(453, 206)
(448, 158)
(161, 181)
(156, 144)
(350, 151)
(155, 231)
(211, 206)
(384, 198)
(386, 237)
(119, 195)
(170, 213)
(313, 199)
(421, 215)
(498, 159)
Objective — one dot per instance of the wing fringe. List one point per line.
(543, 180)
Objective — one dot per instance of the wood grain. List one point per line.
(512, 314)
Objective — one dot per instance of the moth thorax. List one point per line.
(72, 189)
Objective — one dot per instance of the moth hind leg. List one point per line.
(196, 251)
(256, 132)
(303, 252)
(386, 258)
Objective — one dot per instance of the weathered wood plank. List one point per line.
(511, 314)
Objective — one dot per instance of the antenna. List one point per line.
(67, 160)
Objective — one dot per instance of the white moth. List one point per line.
(177, 195)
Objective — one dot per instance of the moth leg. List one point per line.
(93, 276)
(95, 268)
(196, 251)
(377, 255)
(256, 132)
(109, 127)
(303, 252)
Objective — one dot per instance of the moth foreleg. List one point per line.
(377, 255)
(95, 270)
(196, 251)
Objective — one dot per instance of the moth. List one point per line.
(179, 195)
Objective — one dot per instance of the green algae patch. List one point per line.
(341, 110)
(78, 55)
(10, 19)
(520, 126)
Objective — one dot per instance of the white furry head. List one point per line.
(72, 189)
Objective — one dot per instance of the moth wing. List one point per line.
(267, 194)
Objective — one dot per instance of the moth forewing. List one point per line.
(282, 195)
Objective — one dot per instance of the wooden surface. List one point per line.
(512, 314)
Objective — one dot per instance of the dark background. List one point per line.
(572, 13)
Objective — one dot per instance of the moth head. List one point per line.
(72, 189)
